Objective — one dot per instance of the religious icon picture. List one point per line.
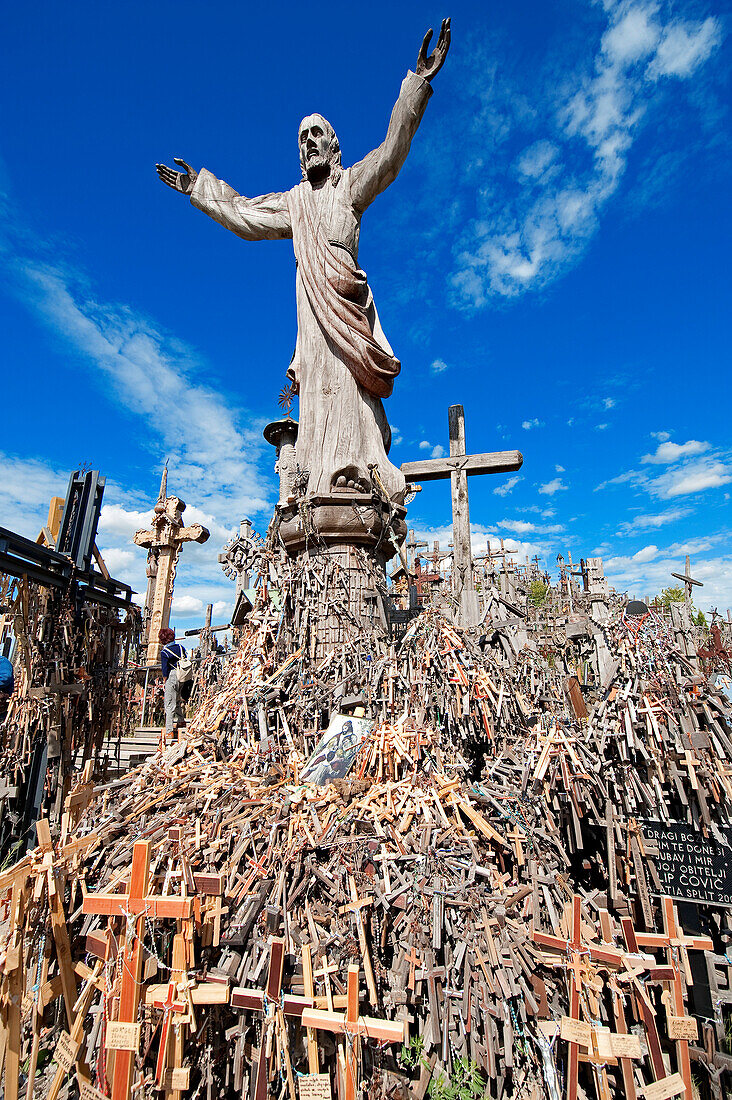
(337, 749)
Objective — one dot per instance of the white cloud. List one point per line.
(438, 366)
(565, 182)
(527, 425)
(660, 519)
(523, 527)
(559, 469)
(396, 435)
(438, 451)
(671, 452)
(26, 488)
(507, 486)
(119, 561)
(425, 445)
(661, 436)
(695, 477)
(556, 485)
(609, 402)
(537, 159)
(683, 47)
(600, 427)
(116, 520)
(187, 605)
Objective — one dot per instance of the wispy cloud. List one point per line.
(671, 452)
(527, 425)
(507, 486)
(564, 178)
(652, 521)
(213, 445)
(692, 478)
(556, 485)
(438, 366)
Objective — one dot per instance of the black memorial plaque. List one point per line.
(691, 867)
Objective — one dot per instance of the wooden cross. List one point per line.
(574, 950)
(458, 467)
(676, 945)
(414, 961)
(355, 906)
(352, 1027)
(136, 905)
(163, 544)
(412, 544)
(271, 1003)
(168, 1007)
(688, 580)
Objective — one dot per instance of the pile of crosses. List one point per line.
(478, 903)
(73, 696)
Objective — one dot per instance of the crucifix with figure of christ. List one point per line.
(458, 466)
(688, 580)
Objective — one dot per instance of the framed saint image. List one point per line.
(337, 749)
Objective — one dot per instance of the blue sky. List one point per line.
(554, 256)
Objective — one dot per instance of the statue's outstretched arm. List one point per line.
(263, 218)
(378, 169)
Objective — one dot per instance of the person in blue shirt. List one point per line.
(7, 685)
(171, 653)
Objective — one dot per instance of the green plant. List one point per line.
(465, 1083)
(538, 592)
(674, 594)
(701, 620)
(410, 1056)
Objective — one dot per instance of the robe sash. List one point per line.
(340, 299)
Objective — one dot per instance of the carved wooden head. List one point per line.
(320, 152)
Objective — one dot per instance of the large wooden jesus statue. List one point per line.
(343, 365)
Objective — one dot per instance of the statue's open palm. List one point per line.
(430, 66)
(179, 181)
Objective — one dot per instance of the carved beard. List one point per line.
(317, 168)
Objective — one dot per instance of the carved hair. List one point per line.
(334, 149)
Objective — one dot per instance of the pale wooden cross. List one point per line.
(458, 467)
(688, 580)
(353, 1026)
(168, 1007)
(355, 906)
(413, 544)
(136, 905)
(163, 544)
(271, 1002)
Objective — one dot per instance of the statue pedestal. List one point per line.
(350, 534)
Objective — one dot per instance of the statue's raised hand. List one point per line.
(429, 66)
(179, 181)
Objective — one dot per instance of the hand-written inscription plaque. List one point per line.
(88, 1092)
(66, 1051)
(576, 1031)
(690, 866)
(314, 1086)
(665, 1088)
(682, 1027)
(123, 1036)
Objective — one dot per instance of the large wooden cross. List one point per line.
(688, 580)
(163, 544)
(273, 1005)
(136, 906)
(352, 1027)
(458, 466)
